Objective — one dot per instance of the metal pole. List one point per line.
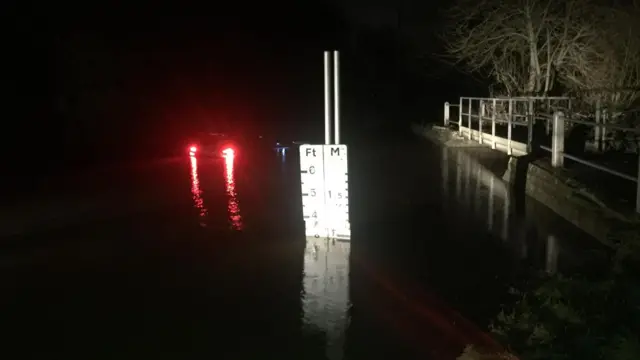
(327, 116)
(336, 99)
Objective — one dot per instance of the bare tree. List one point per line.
(614, 79)
(522, 44)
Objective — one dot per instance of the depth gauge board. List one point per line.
(325, 191)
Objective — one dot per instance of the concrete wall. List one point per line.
(542, 184)
(517, 148)
(567, 198)
(540, 181)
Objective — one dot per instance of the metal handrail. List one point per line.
(594, 165)
(557, 120)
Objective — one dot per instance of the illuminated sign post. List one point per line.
(325, 207)
(324, 172)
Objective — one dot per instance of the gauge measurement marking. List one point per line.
(324, 190)
(312, 174)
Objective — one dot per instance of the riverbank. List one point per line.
(550, 313)
(558, 189)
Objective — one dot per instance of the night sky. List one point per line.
(105, 81)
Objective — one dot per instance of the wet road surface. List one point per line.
(192, 258)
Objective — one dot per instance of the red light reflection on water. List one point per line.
(196, 192)
(233, 206)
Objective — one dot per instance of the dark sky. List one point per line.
(107, 74)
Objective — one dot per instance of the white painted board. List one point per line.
(313, 191)
(325, 191)
(336, 186)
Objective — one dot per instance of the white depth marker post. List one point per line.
(325, 201)
(324, 170)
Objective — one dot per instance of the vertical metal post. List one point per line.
(598, 129)
(493, 125)
(480, 121)
(446, 114)
(530, 121)
(336, 98)
(557, 140)
(509, 125)
(460, 118)
(327, 99)
(469, 118)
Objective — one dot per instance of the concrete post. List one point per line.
(460, 118)
(493, 125)
(446, 114)
(598, 129)
(557, 140)
(469, 118)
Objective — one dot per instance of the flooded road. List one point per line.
(189, 258)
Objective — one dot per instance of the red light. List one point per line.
(228, 152)
(193, 149)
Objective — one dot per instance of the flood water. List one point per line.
(192, 258)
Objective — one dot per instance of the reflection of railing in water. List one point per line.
(326, 291)
(487, 199)
(196, 192)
